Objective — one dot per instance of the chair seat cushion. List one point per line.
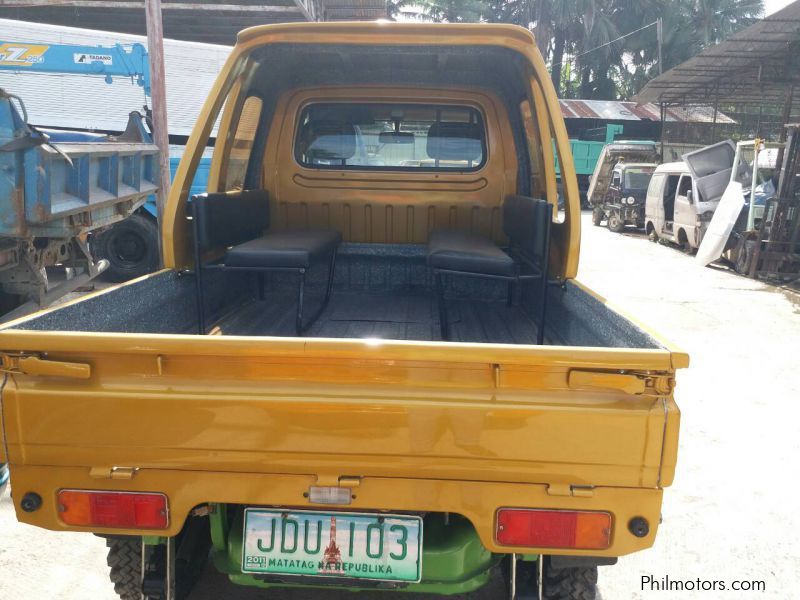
(460, 251)
(284, 249)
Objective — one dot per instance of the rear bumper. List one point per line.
(475, 500)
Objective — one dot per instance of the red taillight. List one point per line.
(127, 510)
(553, 528)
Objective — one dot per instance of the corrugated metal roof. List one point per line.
(757, 65)
(614, 110)
(353, 10)
(212, 21)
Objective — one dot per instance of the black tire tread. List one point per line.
(125, 561)
(620, 224)
(147, 229)
(573, 583)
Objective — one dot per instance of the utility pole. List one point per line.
(660, 38)
(155, 47)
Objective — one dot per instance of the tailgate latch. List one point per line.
(38, 364)
(566, 489)
(630, 382)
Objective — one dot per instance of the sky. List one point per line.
(772, 6)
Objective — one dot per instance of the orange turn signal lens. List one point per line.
(583, 530)
(125, 510)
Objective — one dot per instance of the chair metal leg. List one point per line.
(300, 294)
(542, 310)
(443, 324)
(331, 271)
(198, 280)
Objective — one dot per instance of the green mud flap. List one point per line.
(454, 561)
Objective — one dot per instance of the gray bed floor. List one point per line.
(385, 316)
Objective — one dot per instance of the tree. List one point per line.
(588, 43)
(441, 11)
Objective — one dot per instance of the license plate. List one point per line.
(343, 545)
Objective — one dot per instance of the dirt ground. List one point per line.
(731, 515)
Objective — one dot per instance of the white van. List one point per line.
(674, 209)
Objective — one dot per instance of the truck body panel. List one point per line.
(117, 391)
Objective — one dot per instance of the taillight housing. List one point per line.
(542, 528)
(122, 510)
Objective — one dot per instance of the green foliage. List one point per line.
(579, 38)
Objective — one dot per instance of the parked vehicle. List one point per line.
(341, 379)
(57, 187)
(675, 210)
(752, 181)
(624, 202)
(619, 183)
(131, 246)
(586, 151)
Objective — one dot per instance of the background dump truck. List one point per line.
(355, 372)
(58, 186)
(618, 186)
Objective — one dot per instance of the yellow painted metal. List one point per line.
(423, 426)
(384, 206)
(476, 500)
(31, 364)
(602, 380)
(453, 414)
(566, 235)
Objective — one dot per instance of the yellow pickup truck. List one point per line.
(367, 363)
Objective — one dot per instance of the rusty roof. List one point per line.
(614, 110)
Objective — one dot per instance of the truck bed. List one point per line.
(380, 291)
(386, 316)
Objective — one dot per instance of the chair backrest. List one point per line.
(228, 219)
(526, 223)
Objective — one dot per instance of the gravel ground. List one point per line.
(730, 516)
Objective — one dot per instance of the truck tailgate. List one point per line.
(576, 416)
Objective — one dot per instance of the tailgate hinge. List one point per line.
(632, 382)
(29, 363)
(112, 472)
(565, 489)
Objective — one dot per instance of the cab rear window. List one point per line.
(384, 136)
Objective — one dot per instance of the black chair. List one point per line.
(236, 222)
(526, 223)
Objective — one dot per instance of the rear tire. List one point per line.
(744, 256)
(573, 583)
(615, 223)
(570, 583)
(597, 217)
(651, 233)
(125, 561)
(130, 246)
(683, 242)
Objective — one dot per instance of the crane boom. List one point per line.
(130, 60)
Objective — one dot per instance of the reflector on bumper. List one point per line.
(581, 530)
(124, 510)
